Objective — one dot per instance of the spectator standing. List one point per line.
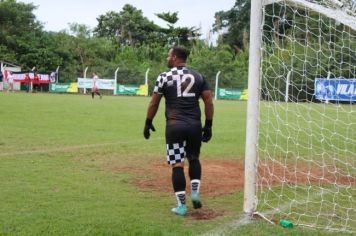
(27, 82)
(95, 88)
(1, 81)
(10, 81)
(36, 82)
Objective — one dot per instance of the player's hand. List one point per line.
(148, 126)
(207, 132)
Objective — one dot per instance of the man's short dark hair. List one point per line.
(181, 52)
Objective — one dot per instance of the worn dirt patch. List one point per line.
(313, 173)
(205, 214)
(222, 177)
(218, 177)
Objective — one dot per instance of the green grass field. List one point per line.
(56, 177)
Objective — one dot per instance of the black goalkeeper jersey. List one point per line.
(182, 89)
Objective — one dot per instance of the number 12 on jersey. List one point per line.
(184, 91)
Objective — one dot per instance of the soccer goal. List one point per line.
(300, 160)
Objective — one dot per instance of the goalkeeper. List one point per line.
(182, 88)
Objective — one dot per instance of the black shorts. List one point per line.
(183, 141)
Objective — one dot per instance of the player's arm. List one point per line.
(209, 113)
(153, 105)
(151, 112)
(208, 103)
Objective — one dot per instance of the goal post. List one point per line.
(250, 201)
(300, 158)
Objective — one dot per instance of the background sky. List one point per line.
(56, 14)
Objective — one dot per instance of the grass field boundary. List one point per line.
(72, 148)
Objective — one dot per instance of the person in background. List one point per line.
(27, 80)
(95, 88)
(36, 83)
(10, 81)
(1, 81)
(182, 89)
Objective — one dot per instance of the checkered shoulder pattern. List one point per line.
(166, 78)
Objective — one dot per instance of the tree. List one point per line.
(129, 27)
(171, 18)
(125, 39)
(210, 60)
(236, 22)
(19, 30)
(177, 35)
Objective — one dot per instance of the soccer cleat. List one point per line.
(180, 210)
(196, 200)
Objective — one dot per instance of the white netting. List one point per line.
(307, 144)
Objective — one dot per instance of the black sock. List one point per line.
(194, 169)
(92, 95)
(178, 179)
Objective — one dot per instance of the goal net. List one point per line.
(306, 131)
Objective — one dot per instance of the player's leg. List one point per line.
(175, 158)
(93, 91)
(98, 93)
(193, 152)
(179, 185)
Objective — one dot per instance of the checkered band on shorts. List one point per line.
(175, 152)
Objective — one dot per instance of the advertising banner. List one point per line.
(127, 89)
(63, 88)
(232, 94)
(244, 95)
(38, 78)
(335, 89)
(143, 90)
(101, 83)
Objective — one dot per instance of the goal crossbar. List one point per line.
(336, 14)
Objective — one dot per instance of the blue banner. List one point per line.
(335, 89)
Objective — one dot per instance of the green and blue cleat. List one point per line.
(196, 200)
(180, 210)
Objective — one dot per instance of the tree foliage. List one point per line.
(171, 18)
(126, 40)
(19, 31)
(128, 27)
(236, 22)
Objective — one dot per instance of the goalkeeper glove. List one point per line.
(148, 126)
(207, 133)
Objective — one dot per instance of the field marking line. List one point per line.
(228, 227)
(72, 148)
(247, 219)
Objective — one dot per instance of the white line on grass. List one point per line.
(78, 147)
(229, 227)
(72, 148)
(245, 219)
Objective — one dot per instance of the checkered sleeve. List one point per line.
(159, 84)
